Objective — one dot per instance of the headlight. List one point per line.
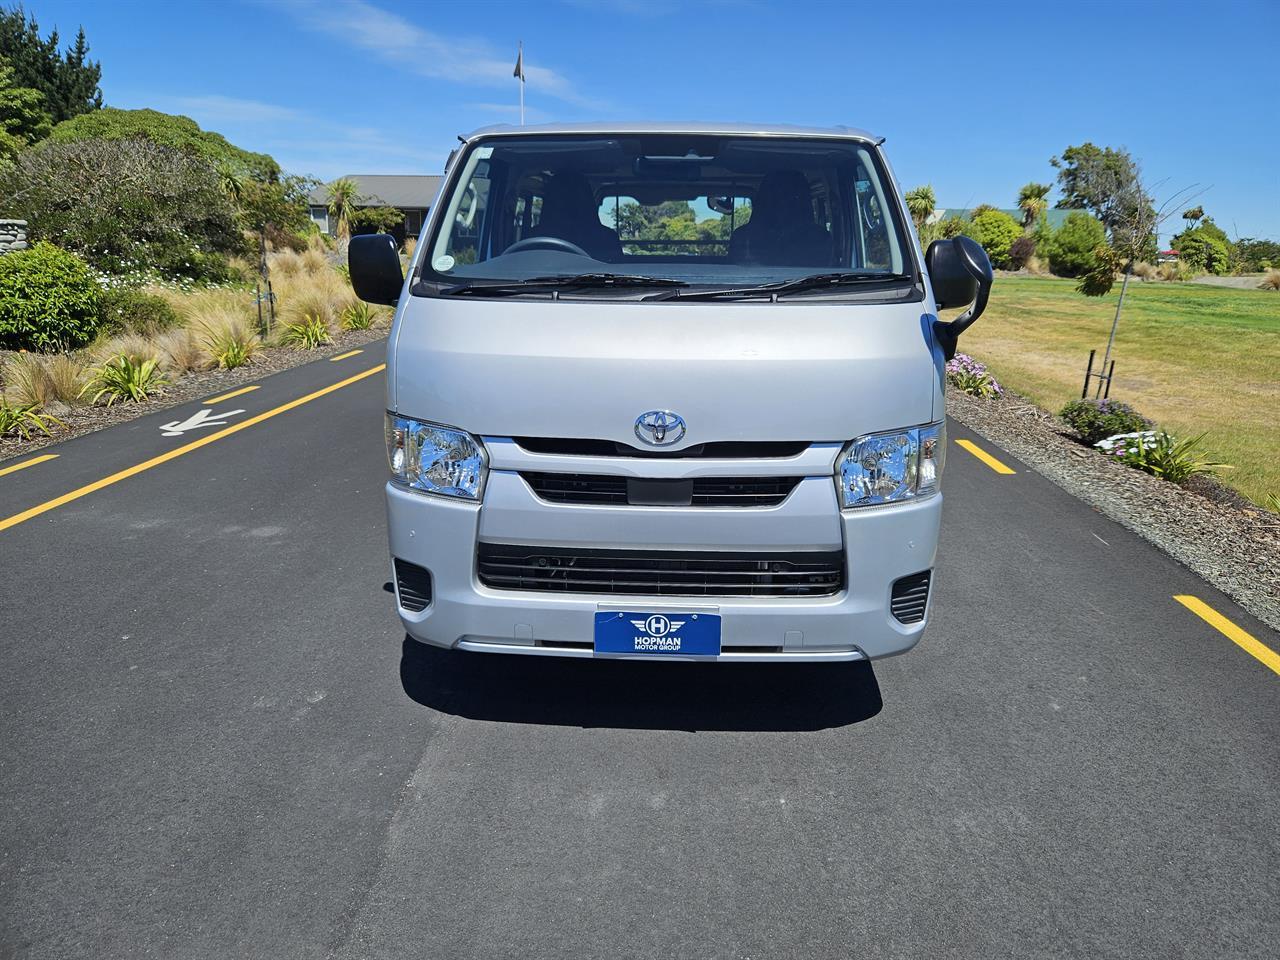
(435, 459)
(887, 467)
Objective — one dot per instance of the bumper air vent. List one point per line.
(910, 597)
(504, 566)
(413, 586)
(586, 488)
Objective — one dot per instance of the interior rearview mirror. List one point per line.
(375, 268)
(960, 273)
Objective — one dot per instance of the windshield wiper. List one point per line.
(816, 281)
(580, 280)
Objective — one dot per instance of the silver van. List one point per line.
(668, 391)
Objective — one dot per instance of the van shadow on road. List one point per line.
(636, 695)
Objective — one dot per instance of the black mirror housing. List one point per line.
(959, 273)
(374, 261)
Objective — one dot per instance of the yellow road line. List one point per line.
(173, 454)
(343, 356)
(27, 463)
(985, 457)
(1245, 641)
(234, 393)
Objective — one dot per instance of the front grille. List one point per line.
(660, 572)
(587, 488)
(720, 449)
(910, 597)
(413, 586)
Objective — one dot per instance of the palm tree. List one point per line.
(1032, 202)
(921, 203)
(343, 194)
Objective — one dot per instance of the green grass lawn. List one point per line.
(1196, 359)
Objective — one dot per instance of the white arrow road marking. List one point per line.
(196, 420)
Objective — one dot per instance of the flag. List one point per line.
(519, 70)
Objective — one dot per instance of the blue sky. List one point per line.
(974, 98)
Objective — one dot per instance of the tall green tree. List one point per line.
(1032, 201)
(23, 119)
(1106, 182)
(1193, 216)
(68, 80)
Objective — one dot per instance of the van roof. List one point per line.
(632, 127)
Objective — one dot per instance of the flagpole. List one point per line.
(519, 74)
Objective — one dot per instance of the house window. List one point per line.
(320, 217)
(412, 222)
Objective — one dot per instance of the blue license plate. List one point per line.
(658, 634)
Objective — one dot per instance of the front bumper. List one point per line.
(881, 544)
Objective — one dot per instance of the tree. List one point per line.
(125, 204)
(377, 219)
(996, 231)
(68, 81)
(921, 204)
(1205, 247)
(1101, 180)
(1193, 216)
(23, 119)
(1032, 201)
(169, 130)
(1072, 250)
(344, 193)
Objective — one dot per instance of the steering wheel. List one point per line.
(546, 243)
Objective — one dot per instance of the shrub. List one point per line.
(234, 345)
(24, 420)
(281, 239)
(1144, 270)
(359, 316)
(126, 378)
(410, 245)
(996, 231)
(125, 205)
(26, 383)
(181, 351)
(1271, 281)
(129, 310)
(1071, 250)
(1095, 420)
(48, 300)
(1021, 252)
(307, 333)
(168, 130)
(64, 377)
(967, 374)
(1202, 251)
(1160, 454)
(376, 220)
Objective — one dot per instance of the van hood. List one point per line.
(733, 371)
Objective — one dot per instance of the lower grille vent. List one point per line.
(910, 597)
(413, 586)
(594, 488)
(653, 572)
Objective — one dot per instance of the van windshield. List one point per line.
(720, 210)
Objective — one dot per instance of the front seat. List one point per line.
(781, 231)
(570, 212)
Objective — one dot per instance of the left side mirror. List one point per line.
(375, 268)
(959, 272)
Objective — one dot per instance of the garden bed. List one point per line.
(1205, 525)
(81, 419)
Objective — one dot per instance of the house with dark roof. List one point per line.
(411, 194)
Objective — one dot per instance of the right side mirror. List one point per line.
(374, 261)
(959, 273)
